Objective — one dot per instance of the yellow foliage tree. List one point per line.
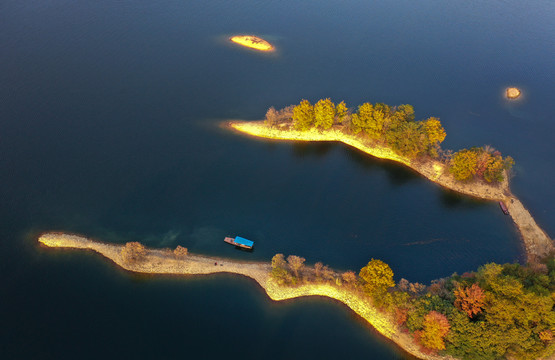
(378, 276)
(435, 328)
(434, 130)
(303, 115)
(324, 113)
(464, 164)
(341, 111)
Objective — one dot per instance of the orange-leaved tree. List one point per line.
(470, 299)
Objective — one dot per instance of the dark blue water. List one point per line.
(109, 127)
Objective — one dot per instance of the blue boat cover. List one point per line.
(243, 241)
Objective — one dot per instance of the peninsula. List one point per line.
(156, 261)
(393, 134)
(420, 319)
(252, 42)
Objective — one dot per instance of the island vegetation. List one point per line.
(499, 311)
(395, 127)
(496, 312)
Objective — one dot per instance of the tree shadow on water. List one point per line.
(312, 149)
(398, 174)
(452, 199)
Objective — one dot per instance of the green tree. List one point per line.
(463, 164)
(324, 113)
(378, 276)
(303, 115)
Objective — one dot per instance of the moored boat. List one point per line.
(239, 241)
(503, 208)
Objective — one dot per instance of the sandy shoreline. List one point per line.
(537, 243)
(160, 262)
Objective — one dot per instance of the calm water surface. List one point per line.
(109, 127)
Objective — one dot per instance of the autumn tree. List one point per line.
(362, 117)
(180, 251)
(409, 139)
(435, 134)
(278, 261)
(133, 252)
(303, 115)
(296, 264)
(318, 270)
(371, 119)
(495, 167)
(349, 277)
(271, 117)
(279, 270)
(324, 113)
(327, 273)
(470, 299)
(434, 329)
(464, 164)
(434, 130)
(403, 113)
(378, 276)
(341, 112)
(380, 115)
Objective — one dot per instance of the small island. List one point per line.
(513, 93)
(392, 133)
(498, 311)
(252, 42)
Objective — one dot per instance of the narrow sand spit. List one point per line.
(536, 241)
(164, 262)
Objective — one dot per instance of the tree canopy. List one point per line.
(395, 127)
(377, 275)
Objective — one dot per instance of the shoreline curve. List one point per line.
(160, 262)
(537, 244)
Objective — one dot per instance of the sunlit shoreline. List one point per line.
(252, 42)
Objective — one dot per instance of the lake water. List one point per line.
(109, 127)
